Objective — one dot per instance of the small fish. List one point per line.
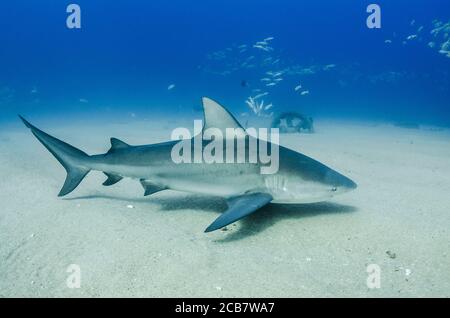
(329, 66)
(411, 37)
(269, 39)
(265, 79)
(170, 87)
(263, 47)
(298, 87)
(271, 84)
(387, 41)
(260, 95)
(268, 106)
(279, 79)
(306, 92)
(83, 100)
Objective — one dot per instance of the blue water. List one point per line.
(127, 53)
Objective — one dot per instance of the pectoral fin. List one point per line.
(239, 207)
(150, 187)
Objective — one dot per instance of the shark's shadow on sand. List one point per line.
(272, 213)
(251, 225)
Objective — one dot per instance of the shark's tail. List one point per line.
(73, 160)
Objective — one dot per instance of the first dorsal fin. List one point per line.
(216, 116)
(118, 144)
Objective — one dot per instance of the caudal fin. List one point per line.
(72, 159)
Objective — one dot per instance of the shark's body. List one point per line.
(300, 179)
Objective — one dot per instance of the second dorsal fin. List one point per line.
(117, 144)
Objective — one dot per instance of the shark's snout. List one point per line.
(347, 185)
(338, 182)
(350, 184)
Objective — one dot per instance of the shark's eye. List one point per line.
(334, 189)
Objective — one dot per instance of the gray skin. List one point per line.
(300, 179)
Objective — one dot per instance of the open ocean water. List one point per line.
(127, 54)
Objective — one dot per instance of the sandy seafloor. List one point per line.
(158, 248)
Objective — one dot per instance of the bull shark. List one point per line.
(299, 179)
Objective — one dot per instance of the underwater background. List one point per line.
(138, 69)
(147, 58)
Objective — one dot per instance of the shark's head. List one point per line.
(336, 182)
(305, 180)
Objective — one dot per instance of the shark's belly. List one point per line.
(213, 179)
(219, 179)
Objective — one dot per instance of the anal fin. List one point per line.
(151, 188)
(112, 179)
